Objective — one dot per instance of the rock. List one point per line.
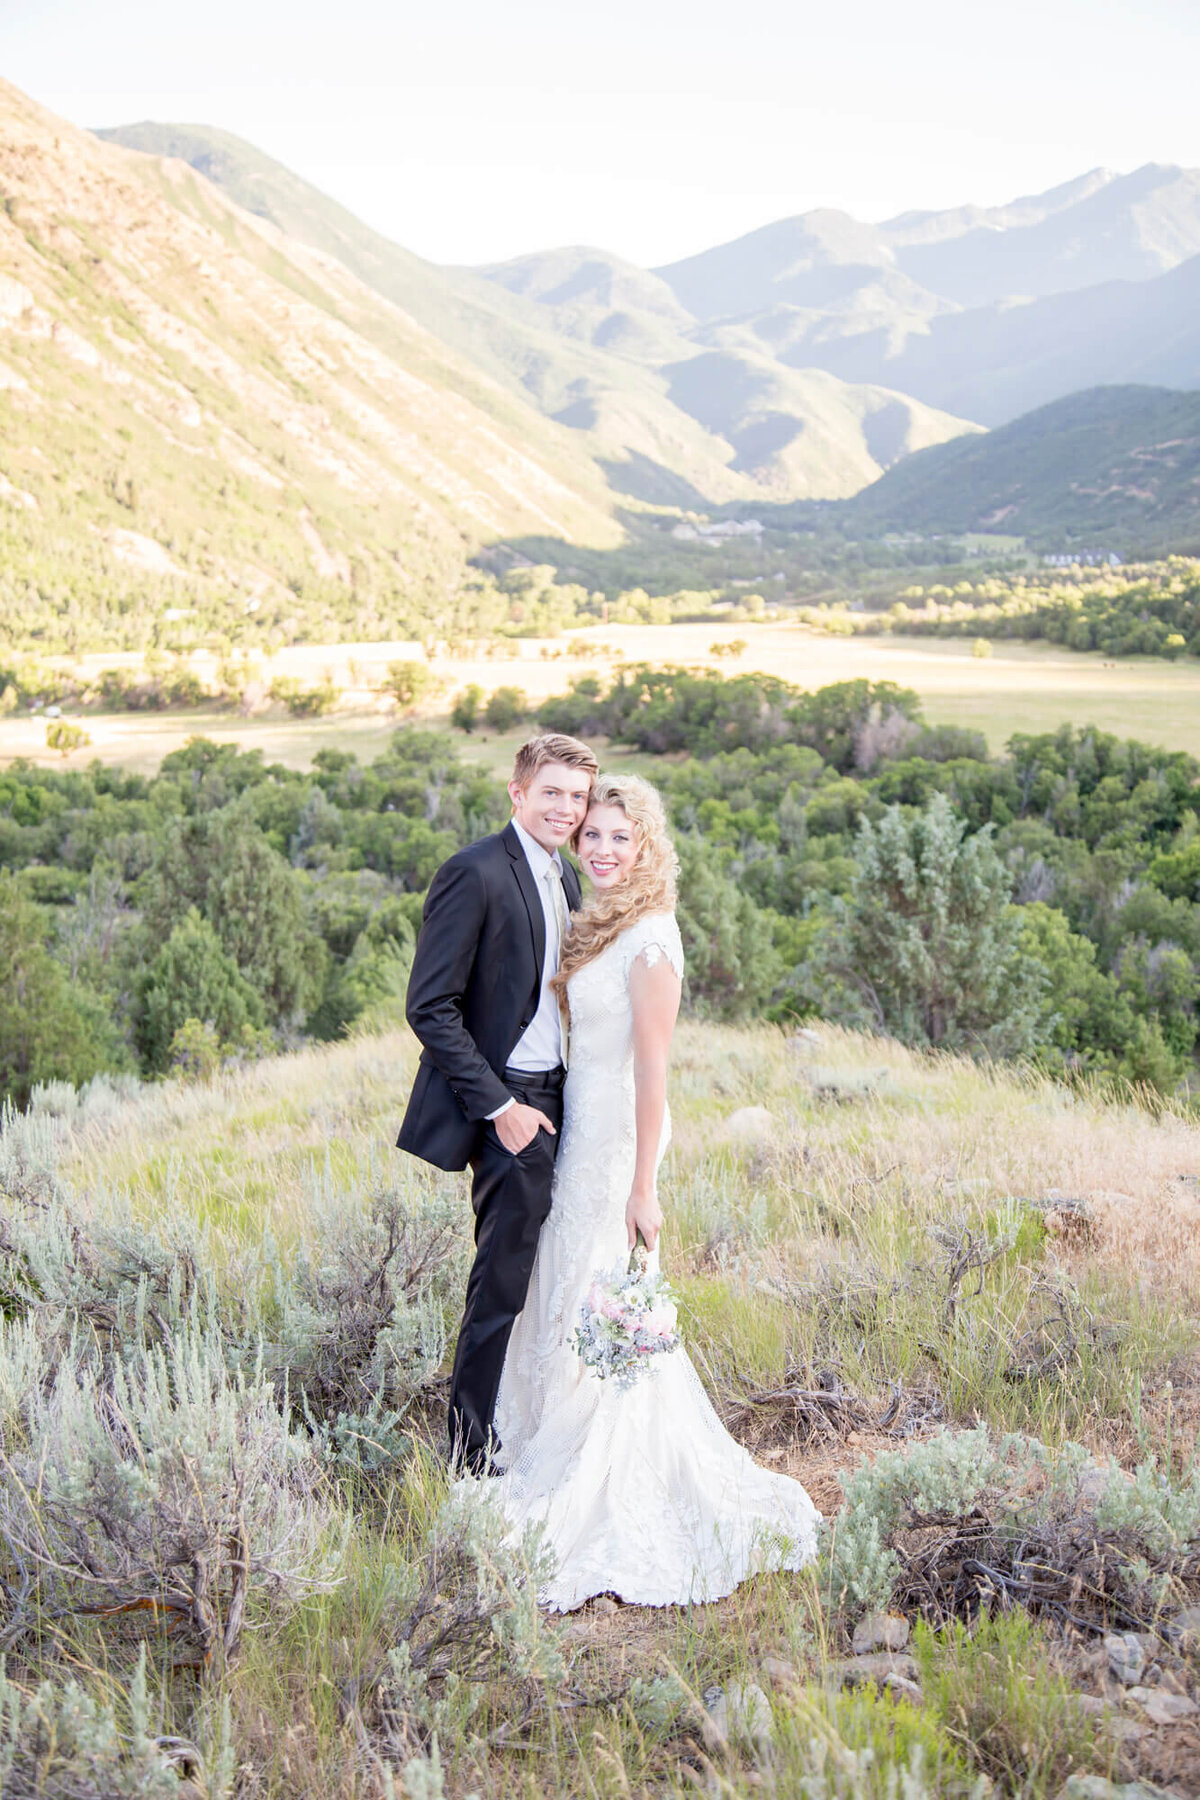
(871, 1668)
(779, 1671)
(1099, 1787)
(1095, 1478)
(1091, 1704)
(1162, 1707)
(1090, 1787)
(880, 1631)
(740, 1714)
(1126, 1652)
(604, 1606)
(750, 1125)
(1173, 1681)
(1183, 1625)
(902, 1689)
(1126, 1731)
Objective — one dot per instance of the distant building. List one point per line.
(718, 532)
(1085, 559)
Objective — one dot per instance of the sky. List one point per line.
(473, 132)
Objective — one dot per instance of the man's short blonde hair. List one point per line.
(553, 747)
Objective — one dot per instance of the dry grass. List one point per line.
(805, 1238)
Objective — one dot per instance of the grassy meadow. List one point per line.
(1026, 687)
(228, 1310)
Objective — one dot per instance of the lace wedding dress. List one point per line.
(640, 1492)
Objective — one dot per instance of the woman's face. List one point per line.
(607, 846)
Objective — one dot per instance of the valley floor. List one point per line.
(1019, 687)
(870, 1246)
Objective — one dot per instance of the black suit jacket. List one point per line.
(475, 984)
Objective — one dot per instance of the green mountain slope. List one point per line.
(596, 343)
(193, 402)
(1112, 467)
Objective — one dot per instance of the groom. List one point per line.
(489, 1085)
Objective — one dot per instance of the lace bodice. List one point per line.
(601, 1008)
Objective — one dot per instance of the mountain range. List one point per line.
(604, 348)
(702, 380)
(214, 380)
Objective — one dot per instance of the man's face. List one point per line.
(553, 804)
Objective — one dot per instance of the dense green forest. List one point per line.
(1155, 612)
(841, 858)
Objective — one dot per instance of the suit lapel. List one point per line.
(529, 893)
(571, 886)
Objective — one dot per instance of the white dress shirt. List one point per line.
(540, 1046)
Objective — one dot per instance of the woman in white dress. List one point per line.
(640, 1491)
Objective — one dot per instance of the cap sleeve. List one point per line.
(653, 938)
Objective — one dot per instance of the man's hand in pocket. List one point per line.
(518, 1127)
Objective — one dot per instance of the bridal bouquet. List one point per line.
(626, 1318)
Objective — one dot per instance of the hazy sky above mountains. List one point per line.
(654, 128)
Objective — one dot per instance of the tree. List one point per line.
(732, 967)
(927, 948)
(506, 709)
(1176, 873)
(64, 737)
(192, 978)
(51, 1028)
(411, 683)
(1087, 1023)
(221, 864)
(464, 714)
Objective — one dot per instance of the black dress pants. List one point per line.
(511, 1198)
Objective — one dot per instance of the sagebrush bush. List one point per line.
(65, 1744)
(1013, 1502)
(167, 1483)
(362, 1325)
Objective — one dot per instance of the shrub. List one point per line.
(64, 737)
(66, 1744)
(361, 1330)
(192, 981)
(1004, 1702)
(464, 714)
(411, 683)
(302, 702)
(927, 947)
(506, 709)
(1008, 1507)
(50, 1027)
(166, 1484)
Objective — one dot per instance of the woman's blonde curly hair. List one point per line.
(649, 886)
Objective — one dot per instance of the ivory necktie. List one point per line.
(559, 900)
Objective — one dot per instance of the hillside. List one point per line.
(196, 406)
(1115, 466)
(275, 1190)
(597, 344)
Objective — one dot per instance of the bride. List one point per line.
(639, 1492)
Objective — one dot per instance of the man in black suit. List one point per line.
(489, 1086)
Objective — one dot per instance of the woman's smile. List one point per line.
(607, 845)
